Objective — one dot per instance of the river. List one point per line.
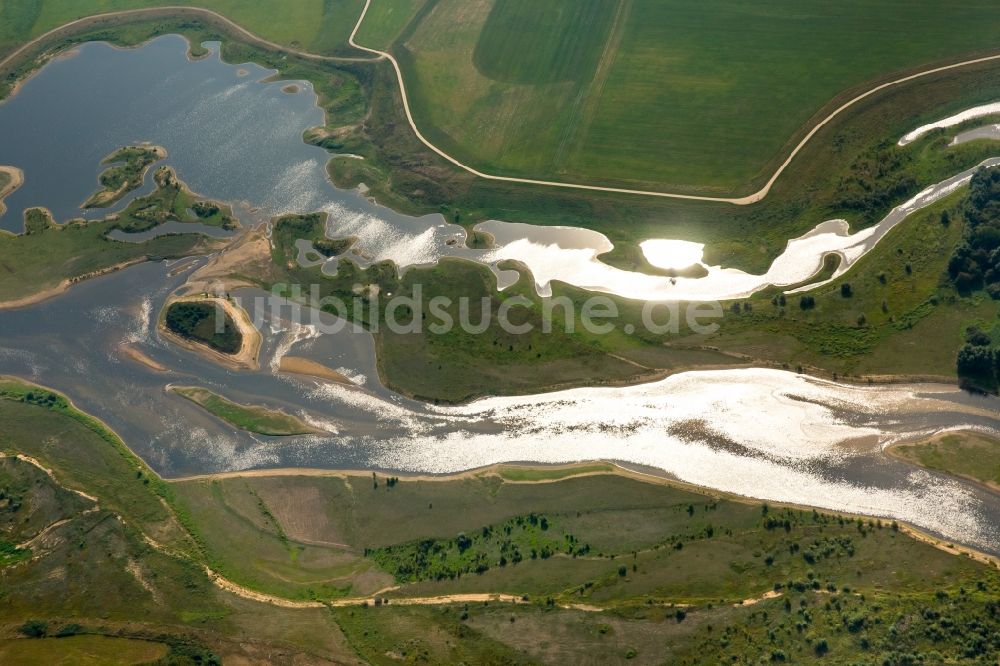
(235, 137)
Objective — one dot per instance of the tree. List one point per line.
(845, 290)
(807, 302)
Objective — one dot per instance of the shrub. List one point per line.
(34, 628)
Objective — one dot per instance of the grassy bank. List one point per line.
(313, 24)
(970, 455)
(252, 418)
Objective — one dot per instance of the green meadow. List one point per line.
(681, 95)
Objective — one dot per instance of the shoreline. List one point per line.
(807, 131)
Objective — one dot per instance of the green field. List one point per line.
(674, 96)
(252, 418)
(967, 454)
(385, 20)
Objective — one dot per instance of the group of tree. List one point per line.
(975, 264)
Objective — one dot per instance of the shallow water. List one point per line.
(761, 433)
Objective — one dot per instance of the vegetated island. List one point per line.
(252, 418)
(49, 257)
(11, 178)
(172, 201)
(126, 171)
(967, 454)
(193, 323)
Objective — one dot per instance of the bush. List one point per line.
(34, 628)
(807, 302)
(845, 290)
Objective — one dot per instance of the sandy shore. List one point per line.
(297, 365)
(249, 351)
(16, 180)
(139, 357)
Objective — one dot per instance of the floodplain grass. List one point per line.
(530, 474)
(87, 455)
(252, 418)
(967, 454)
(172, 201)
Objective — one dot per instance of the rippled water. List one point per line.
(760, 433)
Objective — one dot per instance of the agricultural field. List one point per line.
(679, 96)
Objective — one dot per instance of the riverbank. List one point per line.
(11, 178)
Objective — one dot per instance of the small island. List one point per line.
(173, 202)
(126, 172)
(252, 418)
(194, 323)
